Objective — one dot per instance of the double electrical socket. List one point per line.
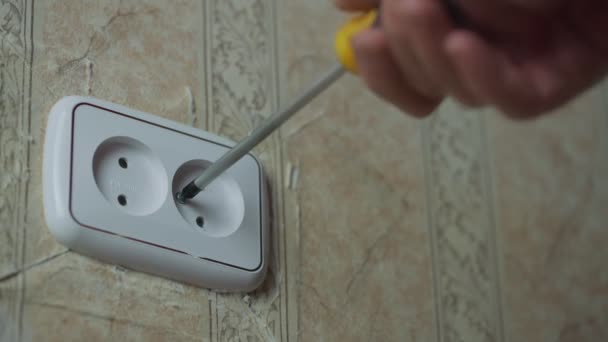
(110, 178)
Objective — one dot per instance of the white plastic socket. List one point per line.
(110, 176)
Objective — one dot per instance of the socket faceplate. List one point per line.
(110, 174)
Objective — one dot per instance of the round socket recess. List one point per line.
(130, 176)
(219, 209)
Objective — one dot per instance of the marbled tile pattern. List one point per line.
(551, 199)
(462, 227)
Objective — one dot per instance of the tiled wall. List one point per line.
(462, 227)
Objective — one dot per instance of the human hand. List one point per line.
(525, 57)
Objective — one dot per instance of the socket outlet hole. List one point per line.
(122, 200)
(139, 192)
(200, 221)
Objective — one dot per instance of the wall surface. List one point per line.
(461, 227)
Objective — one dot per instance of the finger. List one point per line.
(495, 79)
(428, 25)
(498, 17)
(377, 67)
(357, 5)
(395, 14)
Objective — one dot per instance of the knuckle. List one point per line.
(375, 84)
(417, 9)
(412, 11)
(396, 19)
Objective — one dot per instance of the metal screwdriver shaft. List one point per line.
(259, 134)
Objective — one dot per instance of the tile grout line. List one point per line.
(207, 80)
(29, 102)
(427, 169)
(26, 185)
(202, 52)
(22, 270)
(210, 320)
(208, 68)
(217, 325)
(281, 234)
(604, 93)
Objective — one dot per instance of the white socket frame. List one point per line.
(154, 237)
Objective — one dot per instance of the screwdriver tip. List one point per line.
(188, 192)
(179, 196)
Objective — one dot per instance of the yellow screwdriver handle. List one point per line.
(344, 48)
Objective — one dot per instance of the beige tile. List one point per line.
(365, 259)
(365, 265)
(14, 138)
(75, 297)
(134, 53)
(10, 308)
(552, 196)
(72, 325)
(57, 324)
(385, 228)
(149, 55)
(14, 144)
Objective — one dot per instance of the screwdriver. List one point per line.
(346, 62)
